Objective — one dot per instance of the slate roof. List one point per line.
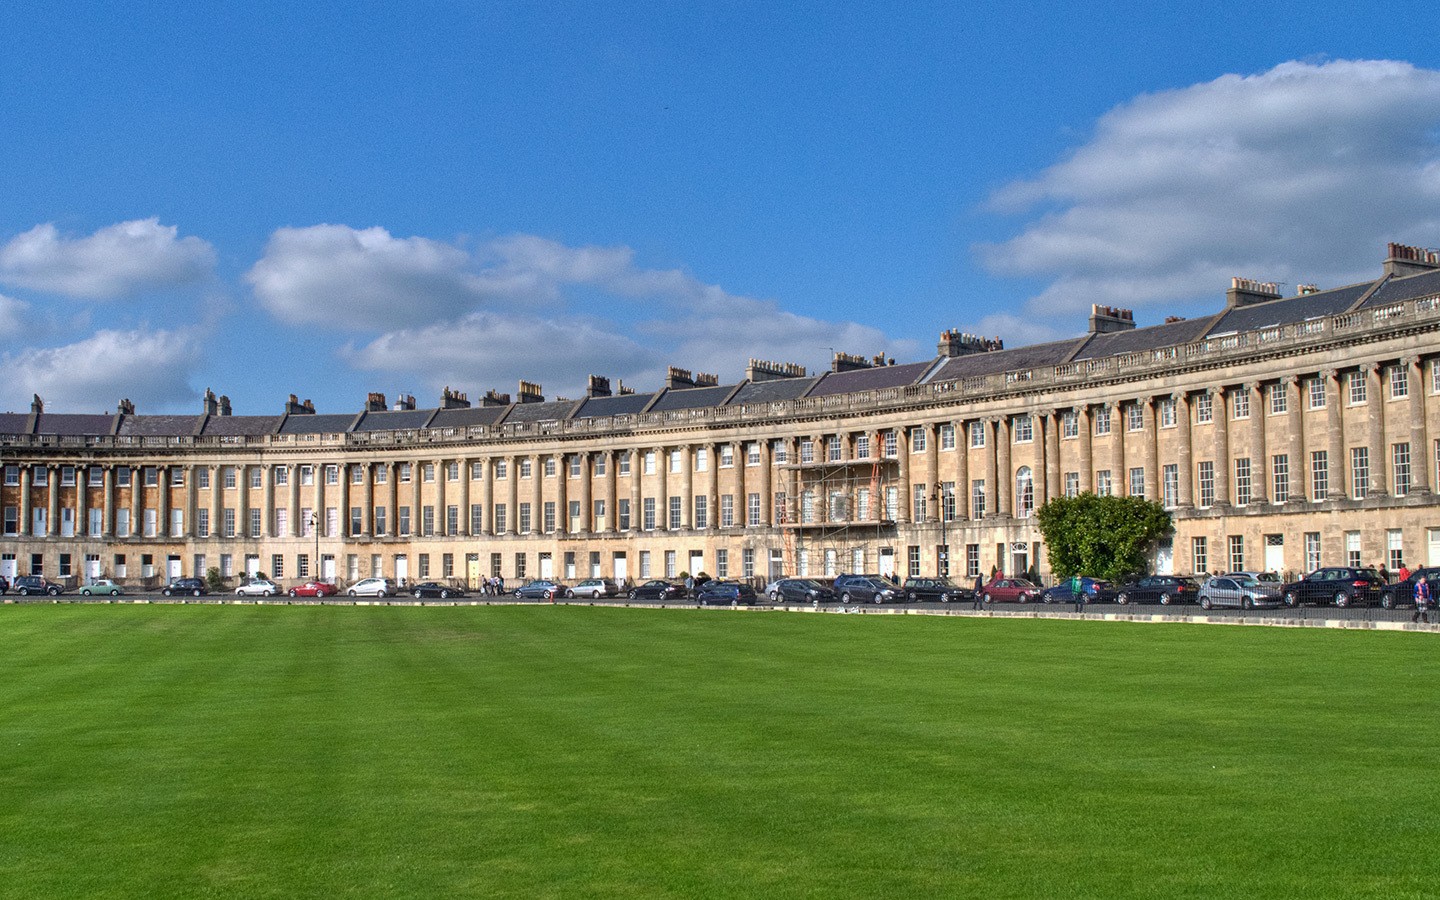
(1290, 310)
(158, 426)
(1424, 285)
(1151, 337)
(72, 425)
(318, 423)
(394, 420)
(692, 398)
(619, 405)
(870, 379)
(466, 417)
(553, 411)
(249, 426)
(14, 423)
(974, 364)
(772, 391)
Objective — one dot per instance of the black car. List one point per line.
(1095, 591)
(931, 589)
(192, 586)
(25, 585)
(801, 590)
(865, 588)
(540, 589)
(1340, 585)
(727, 593)
(1164, 589)
(657, 590)
(1402, 593)
(436, 589)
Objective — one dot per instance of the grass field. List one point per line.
(195, 751)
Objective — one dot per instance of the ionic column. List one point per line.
(562, 495)
(1295, 446)
(82, 501)
(612, 492)
(662, 489)
(137, 502)
(417, 499)
(637, 484)
(1005, 472)
(687, 486)
(367, 497)
(107, 497)
(992, 467)
(1419, 445)
(902, 447)
(962, 469)
(1220, 418)
(343, 471)
(1050, 423)
(319, 494)
(587, 518)
(1259, 458)
(1086, 434)
(1375, 430)
(712, 492)
(1185, 455)
(442, 526)
(217, 501)
(1119, 427)
(537, 494)
(267, 502)
(1152, 449)
(1336, 449)
(192, 502)
(487, 497)
(25, 516)
(767, 513)
(512, 497)
(392, 495)
(932, 467)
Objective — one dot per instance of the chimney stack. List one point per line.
(125, 407)
(1108, 319)
(1244, 291)
(954, 342)
(1404, 260)
(530, 392)
(454, 400)
(212, 406)
(224, 404)
(375, 402)
(597, 386)
(495, 398)
(764, 370)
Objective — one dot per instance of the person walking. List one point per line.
(1404, 573)
(1077, 593)
(1422, 601)
(979, 602)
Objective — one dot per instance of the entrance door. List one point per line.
(1432, 546)
(92, 568)
(327, 568)
(1165, 557)
(252, 565)
(172, 568)
(472, 570)
(8, 567)
(622, 567)
(777, 564)
(1274, 552)
(697, 562)
(547, 567)
(402, 569)
(887, 561)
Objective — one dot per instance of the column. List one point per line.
(932, 469)
(107, 491)
(687, 485)
(1295, 446)
(1259, 460)
(463, 501)
(1419, 445)
(662, 490)
(1047, 475)
(1152, 449)
(767, 514)
(1119, 427)
(137, 501)
(1336, 449)
(192, 501)
(417, 498)
(1220, 419)
(712, 492)
(792, 480)
(537, 494)
(392, 495)
(562, 495)
(1086, 434)
(343, 471)
(217, 501)
(587, 519)
(82, 501)
(1375, 430)
(612, 491)
(512, 497)
(267, 504)
(1005, 472)
(637, 480)
(992, 467)
(1185, 455)
(442, 526)
(487, 497)
(962, 470)
(25, 516)
(902, 448)
(367, 497)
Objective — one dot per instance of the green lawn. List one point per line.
(193, 751)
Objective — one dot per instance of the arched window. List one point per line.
(1024, 493)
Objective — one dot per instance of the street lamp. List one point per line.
(942, 564)
(315, 529)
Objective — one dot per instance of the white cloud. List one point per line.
(117, 261)
(150, 367)
(12, 317)
(1299, 174)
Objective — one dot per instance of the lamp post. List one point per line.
(315, 529)
(942, 563)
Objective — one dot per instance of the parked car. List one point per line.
(436, 589)
(102, 586)
(373, 587)
(928, 590)
(594, 588)
(865, 589)
(657, 590)
(1163, 589)
(314, 589)
(540, 589)
(1239, 589)
(1095, 591)
(259, 587)
(1010, 590)
(726, 593)
(25, 585)
(193, 586)
(1340, 585)
(1402, 593)
(800, 590)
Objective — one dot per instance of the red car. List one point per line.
(314, 589)
(1009, 590)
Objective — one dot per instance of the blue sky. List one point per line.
(332, 199)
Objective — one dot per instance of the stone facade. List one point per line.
(1283, 433)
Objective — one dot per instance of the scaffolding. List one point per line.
(837, 506)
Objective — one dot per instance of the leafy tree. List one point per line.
(214, 582)
(1106, 537)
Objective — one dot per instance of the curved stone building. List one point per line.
(1282, 432)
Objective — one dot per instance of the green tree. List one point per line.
(1106, 537)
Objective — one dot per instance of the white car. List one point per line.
(594, 588)
(373, 587)
(259, 587)
(102, 586)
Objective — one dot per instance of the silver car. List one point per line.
(594, 588)
(374, 587)
(1239, 589)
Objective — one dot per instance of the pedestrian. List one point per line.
(979, 602)
(1384, 573)
(1077, 592)
(689, 587)
(1422, 601)
(1404, 574)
